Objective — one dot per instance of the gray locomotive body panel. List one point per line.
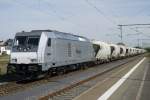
(54, 49)
(67, 49)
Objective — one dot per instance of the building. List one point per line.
(2, 47)
(5, 47)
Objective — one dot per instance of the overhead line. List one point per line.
(77, 25)
(133, 24)
(57, 15)
(38, 10)
(100, 12)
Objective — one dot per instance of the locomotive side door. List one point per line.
(48, 52)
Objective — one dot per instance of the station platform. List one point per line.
(131, 82)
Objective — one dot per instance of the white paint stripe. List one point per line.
(98, 84)
(3, 83)
(111, 90)
(142, 84)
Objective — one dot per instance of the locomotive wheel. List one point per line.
(41, 76)
(48, 74)
(61, 71)
(11, 69)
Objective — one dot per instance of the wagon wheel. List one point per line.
(84, 66)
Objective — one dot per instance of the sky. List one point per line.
(94, 19)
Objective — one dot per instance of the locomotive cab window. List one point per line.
(49, 42)
(34, 41)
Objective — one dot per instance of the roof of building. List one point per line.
(2, 43)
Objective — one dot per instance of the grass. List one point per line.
(4, 59)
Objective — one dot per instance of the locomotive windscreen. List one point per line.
(25, 44)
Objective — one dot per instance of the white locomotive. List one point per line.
(40, 51)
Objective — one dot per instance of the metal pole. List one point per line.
(121, 36)
(138, 42)
(138, 37)
(121, 32)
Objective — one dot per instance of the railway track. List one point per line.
(75, 89)
(13, 87)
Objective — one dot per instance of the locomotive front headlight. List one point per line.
(33, 60)
(14, 60)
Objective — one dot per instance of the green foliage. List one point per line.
(148, 49)
(4, 59)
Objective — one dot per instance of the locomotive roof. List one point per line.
(32, 33)
(57, 34)
(69, 36)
